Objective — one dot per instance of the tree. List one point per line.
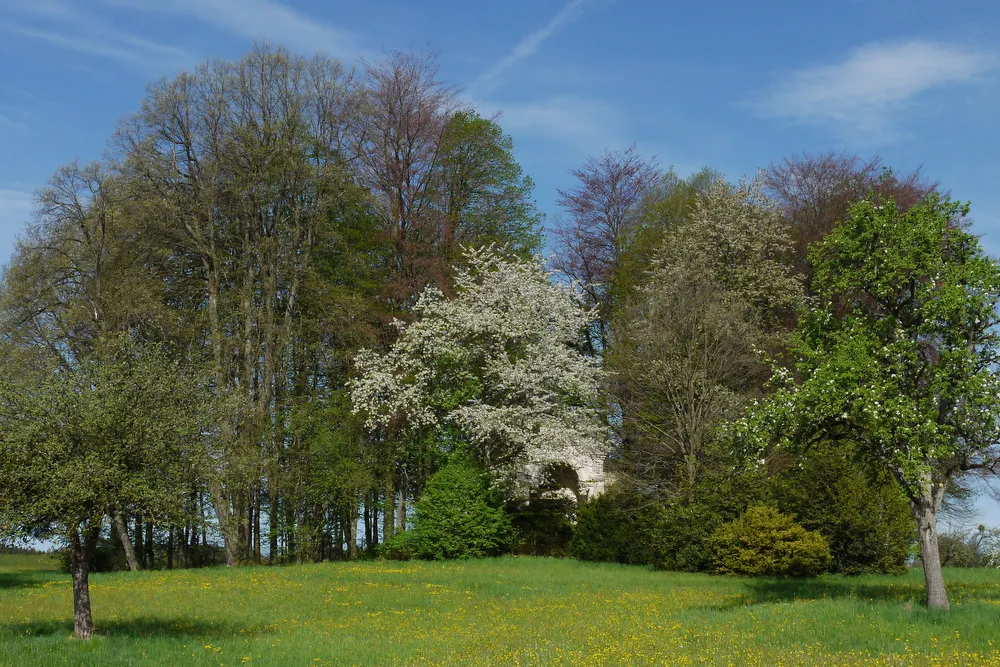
(86, 439)
(604, 212)
(497, 367)
(239, 173)
(898, 355)
(481, 191)
(687, 358)
(406, 109)
(814, 193)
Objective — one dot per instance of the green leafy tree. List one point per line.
(81, 441)
(898, 355)
(686, 358)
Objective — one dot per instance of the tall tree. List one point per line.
(898, 354)
(240, 167)
(687, 356)
(405, 113)
(603, 213)
(815, 191)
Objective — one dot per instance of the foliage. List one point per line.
(764, 542)
(496, 365)
(80, 439)
(814, 193)
(861, 513)
(482, 190)
(455, 518)
(618, 526)
(738, 240)
(687, 356)
(544, 526)
(604, 215)
(897, 354)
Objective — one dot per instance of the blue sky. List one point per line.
(729, 84)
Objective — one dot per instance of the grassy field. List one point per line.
(505, 611)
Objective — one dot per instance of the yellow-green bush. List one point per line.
(766, 542)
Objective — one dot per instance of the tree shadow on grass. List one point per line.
(902, 590)
(138, 628)
(20, 578)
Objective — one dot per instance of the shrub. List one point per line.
(863, 516)
(544, 526)
(682, 537)
(455, 517)
(618, 526)
(766, 542)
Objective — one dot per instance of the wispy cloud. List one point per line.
(68, 27)
(584, 125)
(528, 45)
(259, 19)
(873, 83)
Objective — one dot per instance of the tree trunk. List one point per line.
(170, 548)
(256, 527)
(149, 546)
(122, 529)
(930, 555)
(400, 510)
(272, 525)
(366, 519)
(387, 522)
(81, 552)
(375, 508)
(139, 549)
(225, 524)
(352, 532)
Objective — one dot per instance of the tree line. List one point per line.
(296, 314)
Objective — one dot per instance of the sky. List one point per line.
(729, 84)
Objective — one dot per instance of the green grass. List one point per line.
(504, 611)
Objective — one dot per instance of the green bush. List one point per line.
(682, 537)
(765, 542)
(544, 526)
(455, 517)
(864, 517)
(618, 526)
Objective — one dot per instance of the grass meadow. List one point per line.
(504, 611)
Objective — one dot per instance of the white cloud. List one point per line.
(583, 124)
(68, 27)
(875, 81)
(259, 19)
(528, 45)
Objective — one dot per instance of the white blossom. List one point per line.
(499, 362)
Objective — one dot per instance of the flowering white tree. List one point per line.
(498, 365)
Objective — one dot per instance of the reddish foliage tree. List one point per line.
(603, 213)
(814, 192)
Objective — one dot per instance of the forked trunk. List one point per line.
(81, 550)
